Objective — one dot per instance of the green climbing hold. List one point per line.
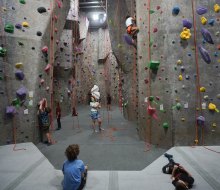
(22, 1)
(152, 11)
(151, 98)
(154, 65)
(178, 106)
(3, 52)
(1, 78)
(9, 28)
(16, 102)
(165, 125)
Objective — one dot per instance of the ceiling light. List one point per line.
(95, 17)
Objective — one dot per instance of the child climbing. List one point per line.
(44, 112)
(132, 30)
(95, 104)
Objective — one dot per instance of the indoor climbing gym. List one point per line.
(109, 94)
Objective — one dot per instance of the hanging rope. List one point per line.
(148, 144)
(198, 95)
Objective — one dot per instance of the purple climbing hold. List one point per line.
(187, 23)
(201, 10)
(207, 35)
(128, 39)
(21, 93)
(204, 54)
(200, 120)
(18, 26)
(19, 74)
(10, 111)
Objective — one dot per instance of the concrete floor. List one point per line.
(116, 148)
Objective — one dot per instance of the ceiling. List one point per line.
(95, 11)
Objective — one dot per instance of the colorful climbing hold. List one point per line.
(187, 23)
(216, 8)
(212, 107)
(205, 55)
(201, 10)
(200, 120)
(165, 125)
(3, 52)
(203, 20)
(179, 62)
(18, 65)
(42, 10)
(22, 1)
(175, 10)
(9, 28)
(185, 34)
(202, 89)
(25, 24)
(180, 77)
(154, 65)
(207, 35)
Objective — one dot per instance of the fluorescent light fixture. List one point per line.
(95, 16)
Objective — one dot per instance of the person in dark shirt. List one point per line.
(181, 178)
(58, 115)
(109, 101)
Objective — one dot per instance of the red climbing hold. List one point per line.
(155, 30)
(44, 49)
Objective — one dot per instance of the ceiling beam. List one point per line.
(91, 3)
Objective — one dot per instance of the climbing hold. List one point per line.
(211, 22)
(175, 10)
(19, 74)
(179, 62)
(3, 52)
(152, 11)
(212, 107)
(217, 33)
(201, 10)
(18, 26)
(165, 125)
(203, 20)
(202, 89)
(18, 65)
(47, 88)
(187, 23)
(214, 125)
(10, 111)
(42, 10)
(196, 141)
(180, 77)
(154, 65)
(205, 55)
(39, 33)
(182, 68)
(128, 39)
(42, 81)
(200, 120)
(9, 28)
(218, 96)
(216, 8)
(47, 68)
(22, 1)
(185, 34)
(21, 93)
(25, 24)
(155, 30)
(183, 119)
(206, 97)
(207, 35)
(44, 49)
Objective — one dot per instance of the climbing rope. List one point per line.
(198, 95)
(148, 144)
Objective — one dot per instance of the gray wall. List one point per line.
(34, 62)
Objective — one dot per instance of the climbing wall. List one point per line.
(63, 72)
(95, 64)
(29, 37)
(125, 55)
(177, 81)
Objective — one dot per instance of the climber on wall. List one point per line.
(132, 30)
(44, 116)
(95, 106)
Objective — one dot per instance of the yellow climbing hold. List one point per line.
(25, 24)
(214, 125)
(216, 8)
(212, 107)
(179, 62)
(202, 89)
(185, 34)
(183, 119)
(18, 65)
(203, 20)
(180, 77)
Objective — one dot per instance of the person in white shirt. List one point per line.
(95, 115)
(130, 26)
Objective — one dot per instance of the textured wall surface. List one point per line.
(168, 90)
(24, 45)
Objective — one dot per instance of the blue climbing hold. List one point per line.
(205, 55)
(207, 35)
(175, 10)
